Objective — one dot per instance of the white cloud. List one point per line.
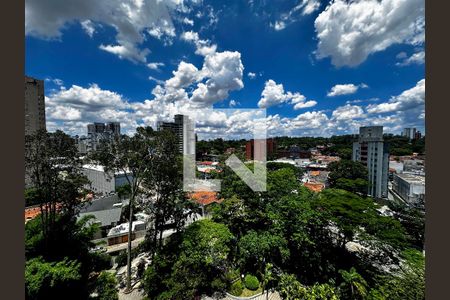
(204, 47)
(127, 51)
(279, 25)
(158, 81)
(409, 99)
(251, 75)
(274, 94)
(349, 31)
(345, 89)
(306, 104)
(417, 58)
(155, 65)
(188, 21)
(224, 71)
(303, 8)
(348, 112)
(88, 27)
(233, 103)
(130, 18)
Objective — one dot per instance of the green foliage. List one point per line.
(254, 248)
(272, 166)
(251, 282)
(408, 283)
(105, 287)
(100, 261)
(348, 175)
(353, 286)
(53, 280)
(291, 289)
(31, 196)
(236, 288)
(191, 263)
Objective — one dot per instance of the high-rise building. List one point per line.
(410, 133)
(371, 150)
(34, 105)
(183, 128)
(98, 132)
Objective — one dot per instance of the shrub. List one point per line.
(251, 282)
(101, 261)
(236, 288)
(232, 275)
(106, 286)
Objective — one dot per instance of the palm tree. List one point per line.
(357, 284)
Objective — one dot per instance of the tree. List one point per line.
(407, 283)
(191, 263)
(105, 287)
(55, 173)
(355, 283)
(349, 175)
(256, 248)
(163, 183)
(131, 156)
(53, 280)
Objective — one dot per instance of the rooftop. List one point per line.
(412, 178)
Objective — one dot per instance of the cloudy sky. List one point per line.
(319, 68)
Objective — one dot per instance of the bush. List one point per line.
(101, 261)
(232, 275)
(106, 286)
(236, 288)
(251, 282)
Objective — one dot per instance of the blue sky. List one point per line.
(318, 67)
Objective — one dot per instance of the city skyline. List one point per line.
(137, 70)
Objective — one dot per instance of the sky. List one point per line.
(317, 68)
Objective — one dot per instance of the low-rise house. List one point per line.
(119, 233)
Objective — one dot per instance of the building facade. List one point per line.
(410, 187)
(183, 128)
(371, 150)
(98, 132)
(103, 182)
(410, 133)
(34, 105)
(252, 146)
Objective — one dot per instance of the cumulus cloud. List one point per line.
(409, 99)
(203, 47)
(345, 89)
(251, 75)
(417, 58)
(348, 112)
(349, 31)
(223, 71)
(73, 108)
(274, 94)
(130, 18)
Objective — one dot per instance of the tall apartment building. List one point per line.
(34, 105)
(97, 132)
(371, 150)
(183, 128)
(410, 133)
